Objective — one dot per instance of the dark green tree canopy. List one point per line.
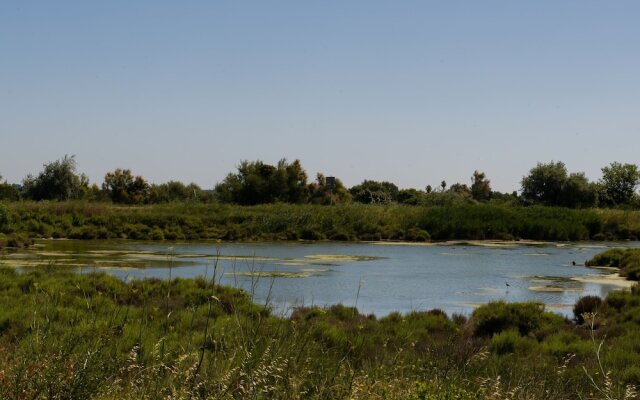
(578, 192)
(544, 183)
(8, 191)
(373, 192)
(460, 188)
(259, 183)
(619, 182)
(549, 184)
(4, 217)
(174, 191)
(480, 186)
(57, 181)
(321, 193)
(122, 187)
(410, 196)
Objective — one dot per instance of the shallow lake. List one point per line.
(377, 278)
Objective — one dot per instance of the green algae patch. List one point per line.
(482, 243)
(51, 253)
(554, 289)
(32, 263)
(552, 279)
(247, 258)
(109, 252)
(456, 254)
(400, 243)
(554, 284)
(341, 258)
(292, 264)
(275, 274)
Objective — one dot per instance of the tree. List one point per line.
(578, 192)
(58, 181)
(177, 191)
(122, 187)
(460, 188)
(321, 193)
(8, 192)
(373, 192)
(293, 180)
(550, 185)
(410, 196)
(480, 186)
(544, 183)
(260, 183)
(4, 217)
(619, 182)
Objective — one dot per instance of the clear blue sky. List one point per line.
(407, 91)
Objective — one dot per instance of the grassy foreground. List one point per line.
(178, 221)
(70, 336)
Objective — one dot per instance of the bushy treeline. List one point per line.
(352, 221)
(546, 184)
(261, 183)
(550, 184)
(257, 182)
(81, 336)
(60, 181)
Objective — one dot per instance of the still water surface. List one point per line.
(378, 278)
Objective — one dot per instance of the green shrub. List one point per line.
(340, 236)
(499, 316)
(417, 235)
(311, 234)
(510, 341)
(157, 234)
(564, 344)
(586, 304)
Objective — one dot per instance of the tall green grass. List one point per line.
(179, 221)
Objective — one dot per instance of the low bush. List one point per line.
(586, 305)
(499, 316)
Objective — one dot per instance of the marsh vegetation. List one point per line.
(65, 335)
(347, 222)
